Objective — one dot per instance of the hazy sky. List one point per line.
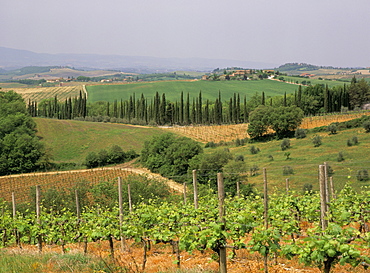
(321, 32)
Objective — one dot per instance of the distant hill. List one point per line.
(14, 58)
(308, 67)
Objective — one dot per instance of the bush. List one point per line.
(270, 157)
(349, 143)
(300, 133)
(285, 144)
(239, 158)
(340, 157)
(354, 140)
(316, 140)
(254, 170)
(332, 129)
(287, 170)
(92, 160)
(366, 126)
(254, 150)
(307, 188)
(210, 144)
(362, 175)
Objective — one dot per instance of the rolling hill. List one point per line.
(172, 89)
(71, 141)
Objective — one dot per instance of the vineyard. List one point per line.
(228, 133)
(324, 120)
(215, 133)
(41, 93)
(289, 235)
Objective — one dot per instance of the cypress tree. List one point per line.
(263, 98)
(231, 112)
(181, 108)
(326, 99)
(200, 114)
(162, 110)
(206, 113)
(187, 110)
(299, 96)
(219, 107)
(193, 113)
(284, 102)
(245, 112)
(238, 109)
(157, 101)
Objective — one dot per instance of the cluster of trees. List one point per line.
(283, 120)
(53, 108)
(20, 148)
(115, 155)
(176, 157)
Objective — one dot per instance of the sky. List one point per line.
(320, 32)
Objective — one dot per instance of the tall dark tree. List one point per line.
(20, 149)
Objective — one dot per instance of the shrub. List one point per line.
(332, 129)
(239, 142)
(354, 140)
(92, 160)
(210, 144)
(287, 170)
(340, 157)
(285, 144)
(239, 158)
(254, 170)
(366, 126)
(362, 175)
(349, 143)
(270, 157)
(300, 133)
(316, 140)
(254, 150)
(307, 188)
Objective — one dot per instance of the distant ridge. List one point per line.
(15, 58)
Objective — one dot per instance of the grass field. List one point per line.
(173, 89)
(330, 83)
(71, 141)
(304, 159)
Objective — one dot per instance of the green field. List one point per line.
(173, 89)
(315, 81)
(304, 159)
(71, 141)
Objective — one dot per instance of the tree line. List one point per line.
(313, 99)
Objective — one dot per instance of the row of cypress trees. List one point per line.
(159, 111)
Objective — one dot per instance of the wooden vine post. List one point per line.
(38, 212)
(120, 205)
(78, 210)
(287, 186)
(323, 198)
(14, 209)
(265, 214)
(129, 197)
(221, 210)
(185, 193)
(195, 185)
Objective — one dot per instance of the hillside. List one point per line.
(71, 141)
(52, 72)
(325, 72)
(173, 89)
